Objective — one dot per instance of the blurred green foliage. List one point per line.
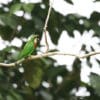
(28, 83)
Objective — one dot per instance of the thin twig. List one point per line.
(46, 55)
(46, 24)
(89, 54)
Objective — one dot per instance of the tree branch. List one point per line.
(47, 55)
(45, 25)
(89, 54)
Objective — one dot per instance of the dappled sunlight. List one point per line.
(77, 7)
(3, 44)
(73, 45)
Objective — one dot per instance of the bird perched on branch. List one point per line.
(29, 47)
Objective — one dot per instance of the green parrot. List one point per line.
(29, 47)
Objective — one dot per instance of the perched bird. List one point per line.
(29, 47)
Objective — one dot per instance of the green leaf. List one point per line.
(14, 95)
(28, 7)
(69, 1)
(33, 74)
(86, 23)
(9, 97)
(95, 17)
(54, 72)
(46, 95)
(97, 1)
(15, 7)
(27, 28)
(8, 20)
(6, 32)
(95, 82)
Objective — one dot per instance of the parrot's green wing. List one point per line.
(27, 50)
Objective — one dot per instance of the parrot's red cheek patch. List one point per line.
(35, 43)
